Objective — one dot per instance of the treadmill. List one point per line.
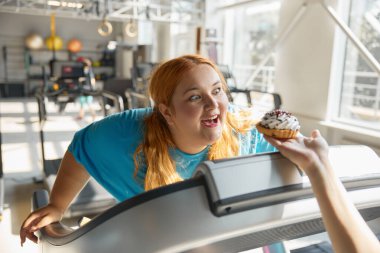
(68, 83)
(229, 205)
(2, 193)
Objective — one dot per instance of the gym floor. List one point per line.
(22, 164)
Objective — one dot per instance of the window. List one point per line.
(253, 35)
(359, 102)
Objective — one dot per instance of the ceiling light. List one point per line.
(65, 4)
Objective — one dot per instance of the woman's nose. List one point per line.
(211, 102)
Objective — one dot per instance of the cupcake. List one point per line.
(279, 124)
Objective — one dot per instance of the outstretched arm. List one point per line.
(347, 229)
(71, 178)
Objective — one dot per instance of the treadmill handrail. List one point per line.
(129, 94)
(59, 234)
(253, 213)
(117, 99)
(39, 95)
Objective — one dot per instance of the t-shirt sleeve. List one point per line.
(89, 145)
(106, 147)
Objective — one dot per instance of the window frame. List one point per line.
(337, 76)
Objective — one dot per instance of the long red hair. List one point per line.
(154, 150)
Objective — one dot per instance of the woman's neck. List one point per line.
(191, 149)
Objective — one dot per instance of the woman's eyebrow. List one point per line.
(217, 82)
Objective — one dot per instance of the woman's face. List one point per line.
(198, 109)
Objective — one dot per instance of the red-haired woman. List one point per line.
(142, 149)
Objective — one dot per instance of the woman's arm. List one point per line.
(347, 229)
(71, 178)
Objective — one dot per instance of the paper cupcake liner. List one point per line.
(277, 133)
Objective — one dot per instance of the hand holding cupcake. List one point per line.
(279, 124)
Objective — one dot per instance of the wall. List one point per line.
(303, 63)
(165, 44)
(15, 27)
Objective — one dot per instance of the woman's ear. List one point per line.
(166, 113)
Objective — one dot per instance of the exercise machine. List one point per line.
(65, 89)
(229, 205)
(137, 95)
(69, 80)
(1, 177)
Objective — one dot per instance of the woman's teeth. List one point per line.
(211, 121)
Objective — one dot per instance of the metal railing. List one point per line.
(264, 81)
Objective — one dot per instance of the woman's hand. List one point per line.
(71, 179)
(306, 152)
(37, 220)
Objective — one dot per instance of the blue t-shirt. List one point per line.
(106, 149)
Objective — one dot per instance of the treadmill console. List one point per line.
(248, 182)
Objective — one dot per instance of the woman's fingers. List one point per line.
(27, 230)
(46, 220)
(31, 236)
(315, 133)
(27, 233)
(31, 219)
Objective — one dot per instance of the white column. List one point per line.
(303, 62)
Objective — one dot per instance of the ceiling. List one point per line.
(178, 11)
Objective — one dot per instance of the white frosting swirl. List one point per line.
(279, 119)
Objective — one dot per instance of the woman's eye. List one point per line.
(217, 90)
(194, 98)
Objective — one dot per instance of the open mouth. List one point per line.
(211, 122)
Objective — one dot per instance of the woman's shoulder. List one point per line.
(127, 116)
(137, 113)
(132, 114)
(126, 121)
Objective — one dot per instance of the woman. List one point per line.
(143, 149)
(347, 229)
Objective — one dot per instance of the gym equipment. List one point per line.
(68, 86)
(229, 205)
(118, 86)
(137, 95)
(94, 198)
(54, 43)
(131, 29)
(1, 179)
(34, 41)
(74, 45)
(68, 81)
(105, 28)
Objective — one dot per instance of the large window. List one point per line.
(253, 34)
(360, 94)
